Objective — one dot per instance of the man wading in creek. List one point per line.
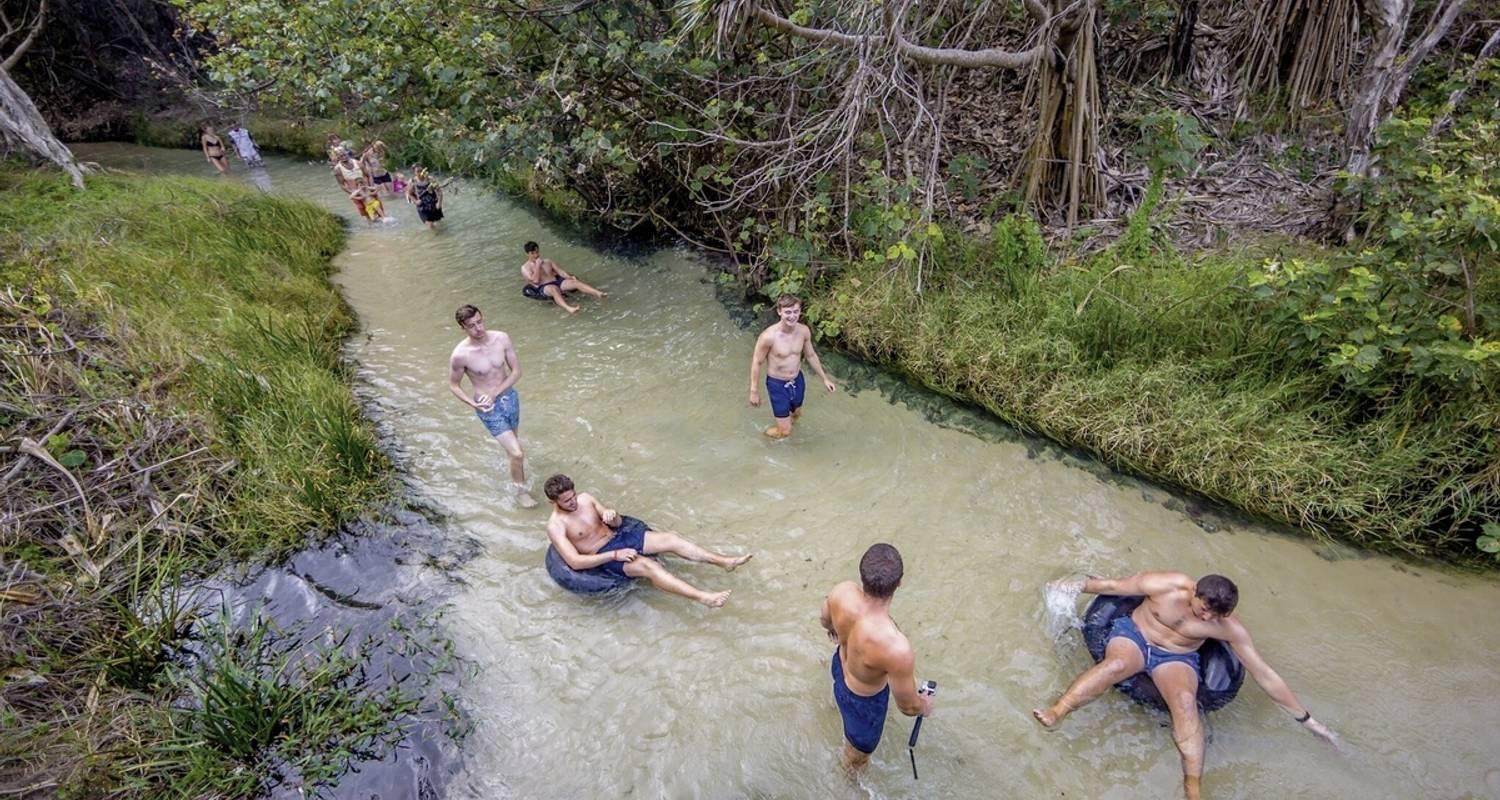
(545, 280)
(783, 346)
(873, 659)
(489, 360)
(589, 536)
(1161, 638)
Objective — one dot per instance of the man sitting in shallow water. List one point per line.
(545, 280)
(589, 536)
(1161, 637)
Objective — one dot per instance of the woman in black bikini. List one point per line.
(427, 196)
(213, 149)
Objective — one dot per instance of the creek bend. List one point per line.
(641, 399)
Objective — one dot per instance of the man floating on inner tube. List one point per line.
(1161, 638)
(596, 540)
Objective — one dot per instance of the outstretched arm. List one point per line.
(1271, 682)
(811, 354)
(762, 349)
(576, 560)
(1141, 584)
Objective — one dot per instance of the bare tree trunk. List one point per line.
(1446, 118)
(1382, 84)
(22, 126)
(1389, 19)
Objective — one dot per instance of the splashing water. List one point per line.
(1060, 601)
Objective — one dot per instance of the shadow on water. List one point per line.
(382, 581)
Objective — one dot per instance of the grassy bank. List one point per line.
(1163, 366)
(173, 396)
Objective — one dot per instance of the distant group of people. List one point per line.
(365, 177)
(873, 660)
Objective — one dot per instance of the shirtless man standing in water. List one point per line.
(1161, 638)
(489, 360)
(589, 536)
(783, 346)
(545, 280)
(873, 659)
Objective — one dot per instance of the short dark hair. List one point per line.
(880, 570)
(787, 301)
(530, 247)
(1219, 593)
(465, 313)
(556, 485)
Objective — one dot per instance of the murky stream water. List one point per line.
(641, 399)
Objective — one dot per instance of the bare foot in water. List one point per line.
(1047, 718)
(526, 500)
(716, 599)
(573, 309)
(735, 563)
(775, 433)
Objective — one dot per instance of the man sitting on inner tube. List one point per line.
(589, 536)
(1161, 638)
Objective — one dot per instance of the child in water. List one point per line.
(398, 183)
(366, 201)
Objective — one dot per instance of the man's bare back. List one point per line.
(868, 639)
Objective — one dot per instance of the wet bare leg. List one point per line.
(669, 542)
(782, 428)
(557, 297)
(512, 445)
(1178, 683)
(643, 567)
(797, 413)
(854, 759)
(1121, 660)
(573, 284)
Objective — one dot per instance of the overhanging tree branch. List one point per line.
(943, 56)
(36, 27)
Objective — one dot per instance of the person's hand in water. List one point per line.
(626, 554)
(484, 403)
(1321, 731)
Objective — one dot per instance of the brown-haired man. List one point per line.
(589, 536)
(1161, 638)
(873, 659)
(489, 360)
(545, 280)
(783, 346)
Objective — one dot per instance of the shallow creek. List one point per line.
(641, 399)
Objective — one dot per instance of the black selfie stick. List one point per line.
(929, 688)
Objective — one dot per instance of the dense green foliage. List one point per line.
(173, 345)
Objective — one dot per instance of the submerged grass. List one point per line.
(1154, 365)
(172, 396)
